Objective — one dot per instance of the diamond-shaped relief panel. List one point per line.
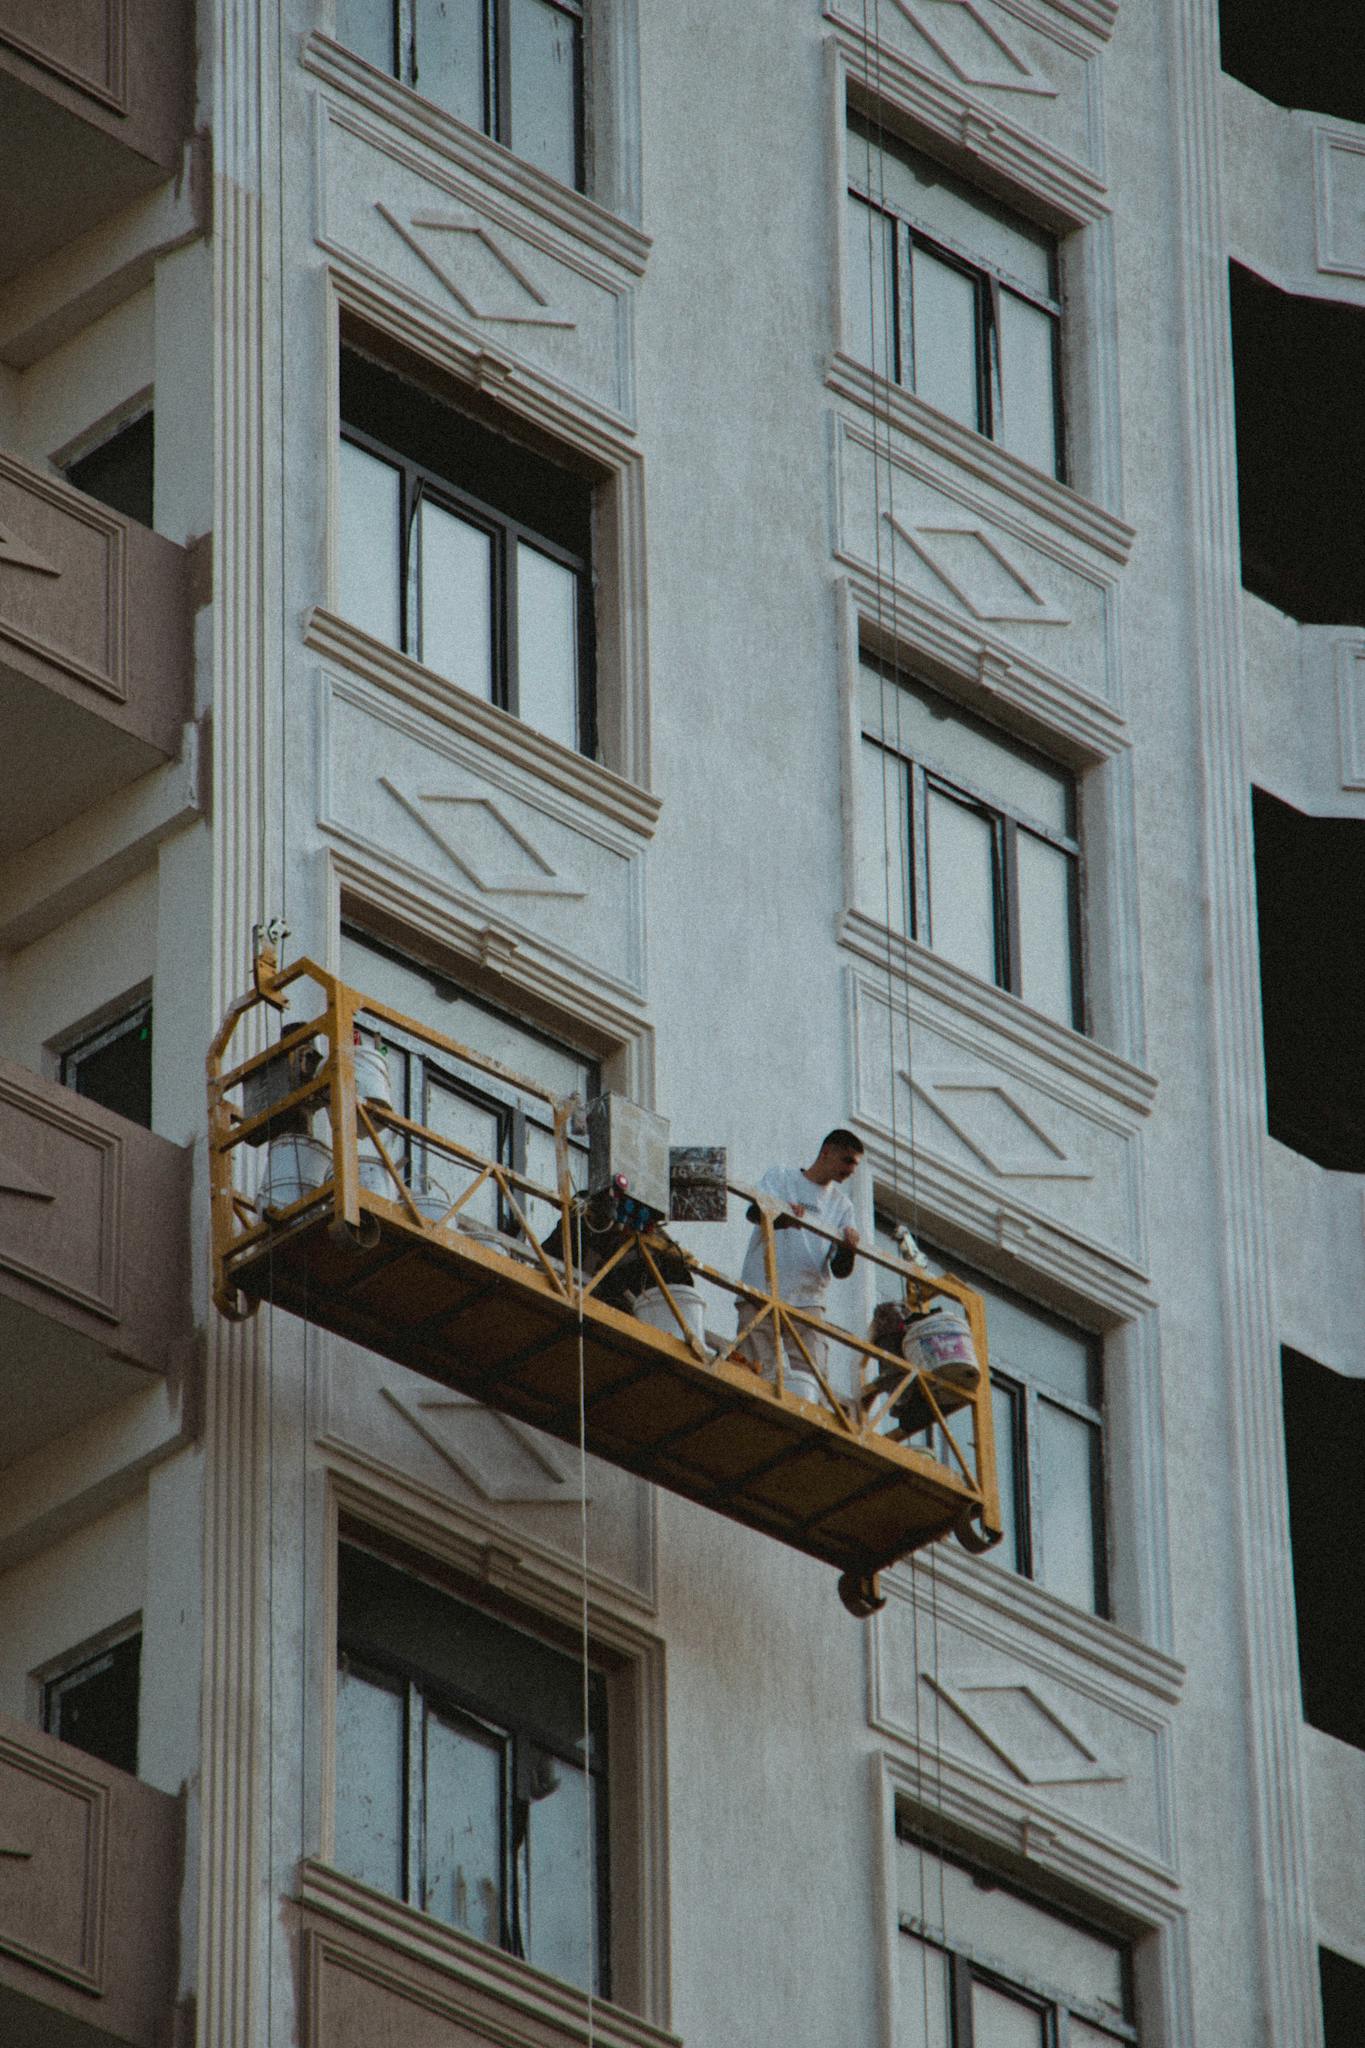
(975, 45)
(981, 571)
(501, 1459)
(1036, 1741)
(992, 1119)
(492, 273)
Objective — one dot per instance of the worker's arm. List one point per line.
(841, 1265)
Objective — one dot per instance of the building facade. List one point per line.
(755, 558)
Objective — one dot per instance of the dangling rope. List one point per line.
(589, 1832)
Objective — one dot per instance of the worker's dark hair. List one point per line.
(847, 1141)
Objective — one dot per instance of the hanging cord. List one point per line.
(589, 1831)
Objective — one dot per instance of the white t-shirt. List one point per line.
(803, 1259)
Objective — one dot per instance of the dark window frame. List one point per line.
(498, 120)
(968, 1967)
(988, 281)
(79, 1667)
(420, 483)
(517, 1732)
(1027, 1395)
(920, 777)
(137, 1017)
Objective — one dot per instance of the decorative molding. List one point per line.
(68, 1870)
(95, 1282)
(566, 213)
(109, 672)
(544, 878)
(1015, 1159)
(1339, 188)
(542, 316)
(1025, 1751)
(108, 86)
(1025, 603)
(471, 1439)
(1350, 682)
(16, 554)
(14, 1180)
(994, 60)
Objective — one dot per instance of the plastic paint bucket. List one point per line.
(372, 1080)
(652, 1307)
(941, 1342)
(294, 1166)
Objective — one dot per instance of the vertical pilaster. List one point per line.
(1257, 1499)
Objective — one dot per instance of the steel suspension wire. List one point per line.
(589, 1830)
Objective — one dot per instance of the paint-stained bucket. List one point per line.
(373, 1082)
(941, 1343)
(652, 1307)
(294, 1166)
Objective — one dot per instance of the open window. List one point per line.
(1324, 1428)
(1343, 2000)
(511, 68)
(969, 842)
(468, 549)
(111, 1063)
(119, 471)
(91, 1699)
(954, 296)
(467, 1782)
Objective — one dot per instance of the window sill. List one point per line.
(591, 225)
(1004, 1015)
(482, 724)
(1045, 496)
(409, 1965)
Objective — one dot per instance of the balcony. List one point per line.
(89, 1883)
(95, 661)
(94, 1259)
(95, 107)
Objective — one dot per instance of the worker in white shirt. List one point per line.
(806, 1262)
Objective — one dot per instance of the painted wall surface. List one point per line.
(689, 909)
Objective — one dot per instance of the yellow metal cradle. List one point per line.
(498, 1315)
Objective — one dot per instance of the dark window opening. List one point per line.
(466, 1782)
(512, 68)
(1300, 450)
(468, 550)
(1343, 2000)
(1310, 55)
(113, 1066)
(93, 1706)
(119, 472)
(1310, 888)
(1324, 1439)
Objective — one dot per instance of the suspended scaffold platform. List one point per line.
(332, 1202)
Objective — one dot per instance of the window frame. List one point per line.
(418, 482)
(516, 1729)
(968, 1966)
(498, 122)
(81, 1660)
(87, 1040)
(1027, 1394)
(988, 281)
(921, 777)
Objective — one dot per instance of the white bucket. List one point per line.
(430, 1200)
(652, 1307)
(941, 1343)
(372, 1079)
(375, 1177)
(294, 1166)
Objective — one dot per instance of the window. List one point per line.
(1049, 1442)
(466, 1782)
(93, 1703)
(475, 1109)
(469, 551)
(1324, 1429)
(119, 472)
(113, 1065)
(981, 1964)
(954, 296)
(968, 843)
(1310, 877)
(513, 68)
(1343, 2000)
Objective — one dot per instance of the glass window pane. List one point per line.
(454, 598)
(1038, 1346)
(368, 538)
(923, 2000)
(448, 53)
(369, 1780)
(1004, 1411)
(934, 199)
(928, 728)
(562, 1868)
(870, 305)
(452, 1114)
(1068, 1482)
(547, 645)
(366, 26)
(999, 2021)
(1027, 344)
(462, 1879)
(1083, 2035)
(544, 60)
(962, 921)
(881, 885)
(1046, 963)
(944, 322)
(1026, 1940)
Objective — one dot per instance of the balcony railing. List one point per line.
(89, 1896)
(96, 102)
(94, 1261)
(95, 669)
(403, 1238)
